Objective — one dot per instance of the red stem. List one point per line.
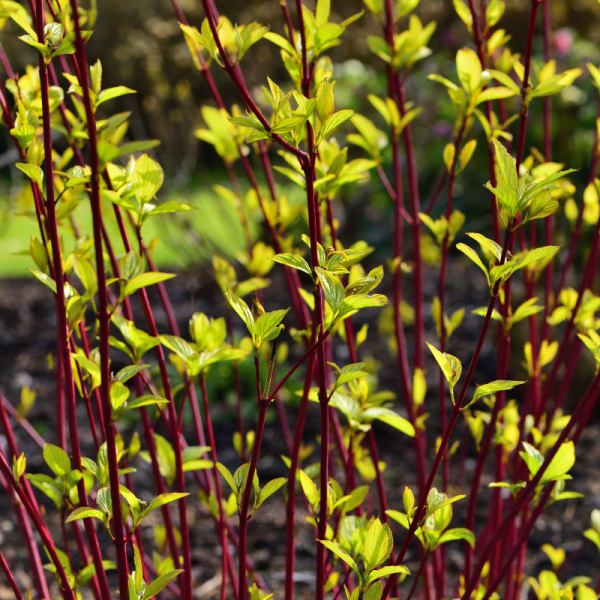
(243, 90)
(315, 346)
(535, 4)
(457, 409)
(290, 553)
(576, 234)
(9, 577)
(222, 529)
(6, 471)
(33, 554)
(478, 38)
(413, 189)
(60, 303)
(521, 542)
(243, 513)
(103, 315)
(524, 495)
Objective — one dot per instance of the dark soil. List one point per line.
(27, 337)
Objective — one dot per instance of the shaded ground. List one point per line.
(27, 337)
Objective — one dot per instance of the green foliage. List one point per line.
(309, 130)
(377, 545)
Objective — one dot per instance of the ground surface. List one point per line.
(27, 336)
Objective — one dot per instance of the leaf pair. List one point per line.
(376, 549)
(262, 328)
(237, 483)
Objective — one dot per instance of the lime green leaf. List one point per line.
(495, 93)
(146, 400)
(387, 571)
(83, 512)
(562, 462)
(445, 82)
(265, 324)
(340, 553)
(390, 418)
(241, 308)
(228, 477)
(374, 592)
(398, 517)
(197, 465)
(462, 10)
(357, 497)
(346, 377)
(118, 395)
(139, 146)
(335, 120)
(281, 42)
(25, 134)
(32, 171)
(538, 254)
(104, 501)
(270, 488)
(130, 371)
(90, 367)
(144, 280)
(376, 546)
(177, 345)
(533, 458)
(45, 279)
(309, 488)
(20, 19)
(469, 69)
(147, 178)
(457, 534)
(493, 247)
(160, 583)
(114, 92)
(332, 288)
(162, 500)
(505, 79)
(169, 207)
(495, 386)
(507, 167)
(57, 459)
(474, 257)
(442, 361)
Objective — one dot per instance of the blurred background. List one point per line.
(141, 46)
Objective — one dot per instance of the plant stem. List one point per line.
(60, 303)
(9, 577)
(442, 299)
(243, 513)
(243, 90)
(413, 189)
(522, 541)
(549, 221)
(103, 315)
(33, 554)
(535, 4)
(213, 447)
(417, 577)
(524, 495)
(6, 471)
(576, 234)
(318, 315)
(307, 354)
(480, 45)
(398, 197)
(301, 29)
(238, 390)
(290, 553)
(457, 409)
